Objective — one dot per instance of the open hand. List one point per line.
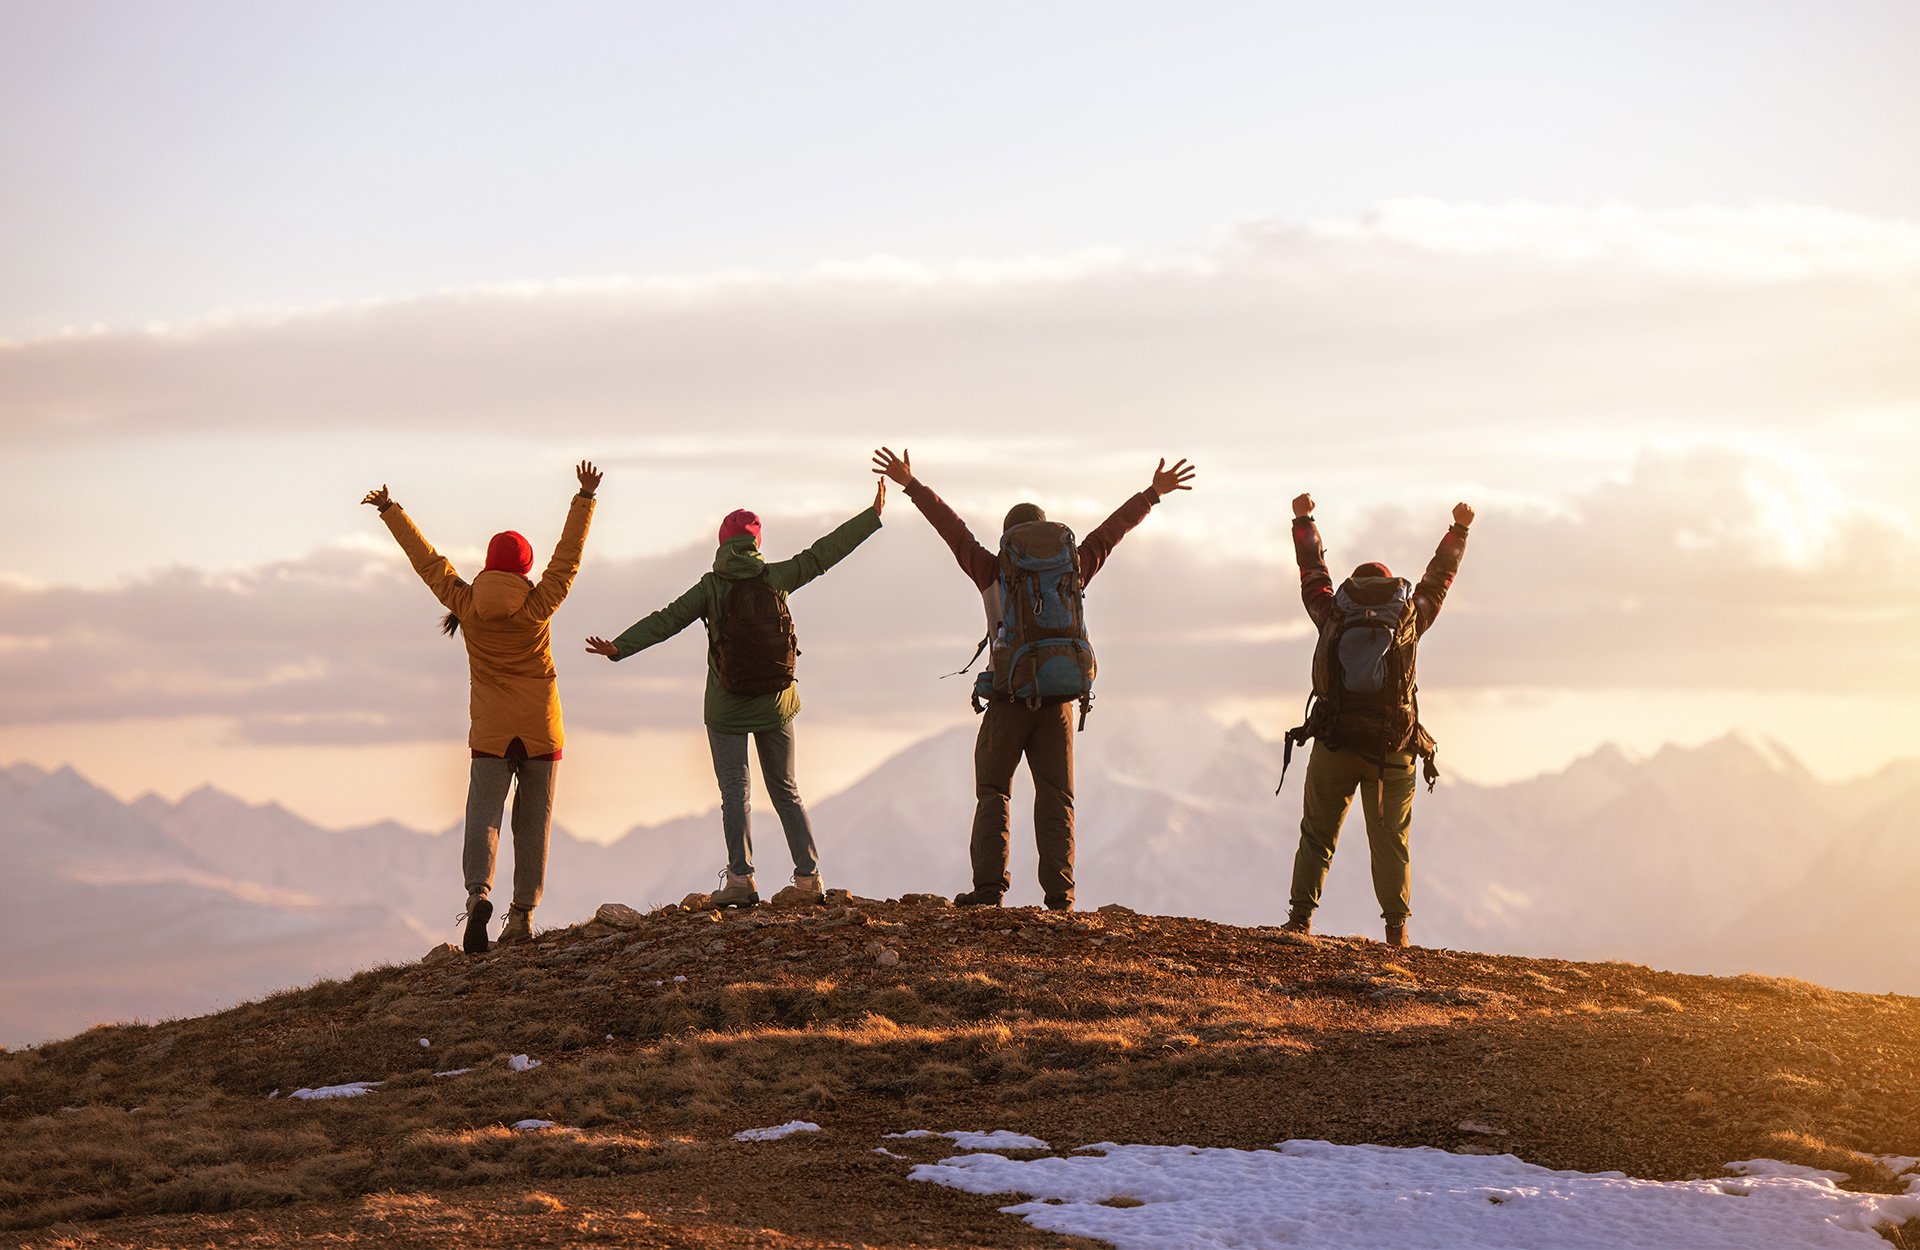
(589, 477)
(1303, 505)
(880, 496)
(1462, 515)
(600, 646)
(1166, 481)
(899, 468)
(379, 498)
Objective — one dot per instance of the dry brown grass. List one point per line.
(1079, 1027)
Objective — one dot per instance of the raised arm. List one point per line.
(656, 627)
(1097, 546)
(1316, 584)
(554, 584)
(1434, 583)
(791, 574)
(981, 566)
(434, 569)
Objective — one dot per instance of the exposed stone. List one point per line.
(697, 902)
(619, 915)
(926, 900)
(441, 954)
(887, 958)
(717, 946)
(1116, 909)
(793, 896)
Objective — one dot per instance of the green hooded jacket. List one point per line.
(739, 558)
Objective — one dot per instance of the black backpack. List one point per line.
(754, 649)
(1365, 698)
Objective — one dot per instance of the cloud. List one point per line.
(1706, 567)
(1431, 320)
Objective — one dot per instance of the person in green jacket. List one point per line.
(750, 683)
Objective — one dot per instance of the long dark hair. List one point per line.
(449, 624)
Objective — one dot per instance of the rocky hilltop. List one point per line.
(587, 1087)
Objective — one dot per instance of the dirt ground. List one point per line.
(876, 1017)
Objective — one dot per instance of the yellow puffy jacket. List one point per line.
(504, 619)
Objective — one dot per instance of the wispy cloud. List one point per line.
(1423, 314)
(1708, 567)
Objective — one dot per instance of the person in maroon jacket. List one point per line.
(1011, 728)
(1337, 769)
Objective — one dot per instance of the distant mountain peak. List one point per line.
(1738, 748)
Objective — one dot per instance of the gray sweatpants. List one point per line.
(532, 823)
(775, 747)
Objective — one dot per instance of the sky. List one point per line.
(1639, 281)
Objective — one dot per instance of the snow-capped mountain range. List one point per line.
(1727, 857)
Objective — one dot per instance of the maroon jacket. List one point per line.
(983, 566)
(1316, 584)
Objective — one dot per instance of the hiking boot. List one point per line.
(810, 883)
(1059, 902)
(1396, 933)
(479, 910)
(980, 896)
(734, 891)
(519, 926)
(1298, 922)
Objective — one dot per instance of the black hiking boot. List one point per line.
(479, 911)
(1059, 902)
(980, 896)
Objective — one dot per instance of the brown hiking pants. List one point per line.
(1008, 730)
(1386, 799)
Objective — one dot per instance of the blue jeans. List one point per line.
(776, 769)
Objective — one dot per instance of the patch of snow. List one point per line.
(520, 1063)
(999, 1139)
(1776, 1167)
(1313, 1194)
(677, 980)
(425, 1044)
(1900, 1165)
(882, 1150)
(352, 1089)
(777, 1132)
(275, 1093)
(534, 1126)
(454, 1072)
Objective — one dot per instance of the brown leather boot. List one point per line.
(519, 926)
(1298, 922)
(1397, 933)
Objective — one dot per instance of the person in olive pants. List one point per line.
(1385, 783)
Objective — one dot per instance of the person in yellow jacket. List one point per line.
(515, 703)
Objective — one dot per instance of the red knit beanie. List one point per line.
(739, 522)
(1373, 568)
(509, 552)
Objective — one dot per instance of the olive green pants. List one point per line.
(1386, 799)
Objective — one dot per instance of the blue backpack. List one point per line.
(1040, 648)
